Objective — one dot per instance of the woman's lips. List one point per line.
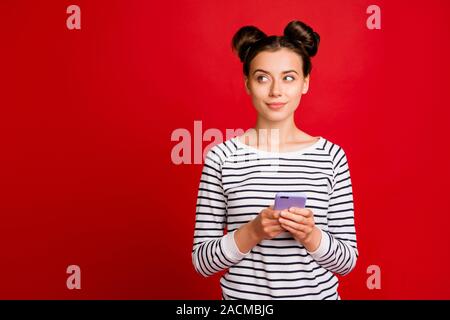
(275, 106)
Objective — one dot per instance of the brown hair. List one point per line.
(248, 41)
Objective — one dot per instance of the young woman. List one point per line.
(266, 253)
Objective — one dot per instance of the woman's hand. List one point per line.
(266, 225)
(300, 223)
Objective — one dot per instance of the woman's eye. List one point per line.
(259, 78)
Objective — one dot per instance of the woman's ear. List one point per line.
(247, 89)
(305, 85)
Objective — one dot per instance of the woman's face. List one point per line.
(276, 77)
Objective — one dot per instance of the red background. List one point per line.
(86, 119)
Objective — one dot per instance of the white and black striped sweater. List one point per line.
(239, 181)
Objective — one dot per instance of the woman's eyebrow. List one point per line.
(287, 71)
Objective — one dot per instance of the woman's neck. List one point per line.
(276, 134)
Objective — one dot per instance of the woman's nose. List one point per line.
(275, 89)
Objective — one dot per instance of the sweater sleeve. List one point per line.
(212, 250)
(338, 251)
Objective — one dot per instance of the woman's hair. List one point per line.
(248, 41)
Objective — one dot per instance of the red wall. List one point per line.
(86, 117)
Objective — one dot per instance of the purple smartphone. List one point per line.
(285, 200)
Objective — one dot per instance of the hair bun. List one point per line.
(302, 34)
(244, 38)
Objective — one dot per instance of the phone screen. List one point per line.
(287, 200)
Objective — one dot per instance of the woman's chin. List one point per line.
(276, 117)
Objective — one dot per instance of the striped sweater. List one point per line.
(237, 182)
